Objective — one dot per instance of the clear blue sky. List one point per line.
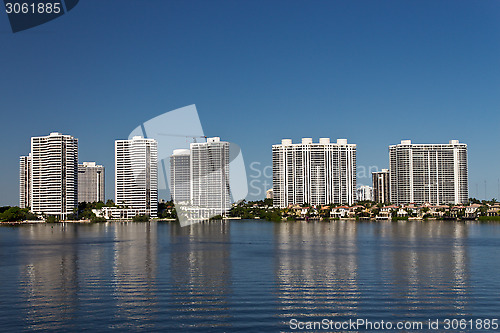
(374, 72)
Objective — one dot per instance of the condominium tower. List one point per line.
(364, 193)
(90, 182)
(136, 175)
(210, 177)
(25, 181)
(381, 186)
(180, 175)
(315, 173)
(434, 173)
(54, 175)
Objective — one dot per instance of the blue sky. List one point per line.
(374, 72)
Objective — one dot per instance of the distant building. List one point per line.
(364, 193)
(269, 194)
(210, 177)
(25, 181)
(90, 182)
(434, 173)
(180, 175)
(136, 175)
(315, 173)
(54, 175)
(381, 186)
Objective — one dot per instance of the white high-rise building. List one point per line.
(315, 173)
(136, 175)
(364, 193)
(90, 182)
(54, 174)
(210, 177)
(434, 173)
(180, 175)
(25, 181)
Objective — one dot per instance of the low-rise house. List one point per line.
(438, 210)
(402, 212)
(385, 212)
(457, 211)
(471, 212)
(115, 213)
(411, 209)
(339, 212)
(493, 211)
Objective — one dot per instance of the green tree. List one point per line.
(141, 218)
(13, 214)
(51, 219)
(268, 202)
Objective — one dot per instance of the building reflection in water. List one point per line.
(378, 269)
(48, 278)
(316, 269)
(134, 275)
(428, 268)
(127, 276)
(102, 270)
(201, 274)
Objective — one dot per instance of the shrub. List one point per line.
(141, 218)
(52, 219)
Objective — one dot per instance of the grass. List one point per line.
(489, 218)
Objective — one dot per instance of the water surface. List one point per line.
(244, 275)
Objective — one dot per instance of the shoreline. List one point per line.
(239, 219)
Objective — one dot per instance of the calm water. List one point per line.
(245, 275)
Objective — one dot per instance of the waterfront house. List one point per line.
(402, 212)
(339, 212)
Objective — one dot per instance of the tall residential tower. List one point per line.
(364, 193)
(90, 182)
(381, 186)
(315, 173)
(54, 174)
(434, 173)
(25, 181)
(180, 175)
(136, 175)
(210, 177)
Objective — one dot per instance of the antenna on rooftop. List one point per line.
(194, 137)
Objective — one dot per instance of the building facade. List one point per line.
(315, 173)
(433, 173)
(25, 181)
(54, 175)
(364, 193)
(136, 175)
(90, 182)
(180, 175)
(210, 193)
(381, 186)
